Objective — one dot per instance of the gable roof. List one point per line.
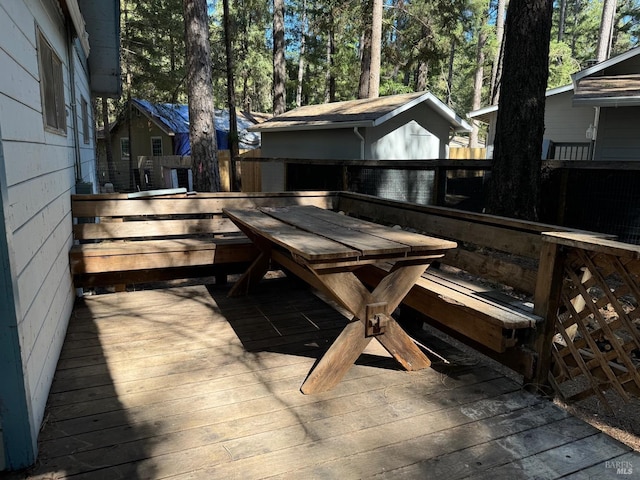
(368, 112)
(620, 89)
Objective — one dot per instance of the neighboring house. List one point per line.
(397, 127)
(593, 118)
(55, 56)
(160, 130)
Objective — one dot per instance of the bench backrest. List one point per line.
(501, 249)
(172, 216)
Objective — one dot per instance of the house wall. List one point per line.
(564, 122)
(38, 175)
(618, 137)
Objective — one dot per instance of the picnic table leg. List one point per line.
(253, 275)
(337, 361)
(347, 289)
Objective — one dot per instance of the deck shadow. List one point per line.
(87, 432)
(283, 316)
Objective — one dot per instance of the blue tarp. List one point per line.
(175, 117)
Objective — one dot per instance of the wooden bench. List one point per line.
(123, 239)
(510, 289)
(483, 291)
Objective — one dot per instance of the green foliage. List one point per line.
(418, 36)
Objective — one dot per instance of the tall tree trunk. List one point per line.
(279, 63)
(365, 51)
(234, 149)
(330, 86)
(111, 166)
(376, 49)
(452, 55)
(515, 177)
(477, 84)
(561, 19)
(202, 132)
(496, 68)
(303, 46)
(422, 79)
(605, 34)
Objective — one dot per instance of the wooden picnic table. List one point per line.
(324, 248)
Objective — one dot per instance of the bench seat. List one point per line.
(481, 313)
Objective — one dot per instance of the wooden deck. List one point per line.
(185, 383)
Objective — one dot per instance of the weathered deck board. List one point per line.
(187, 383)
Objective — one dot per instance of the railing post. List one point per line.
(546, 302)
(439, 186)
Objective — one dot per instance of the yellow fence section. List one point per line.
(463, 153)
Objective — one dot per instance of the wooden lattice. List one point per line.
(597, 343)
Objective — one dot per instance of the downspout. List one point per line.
(74, 107)
(359, 135)
(594, 133)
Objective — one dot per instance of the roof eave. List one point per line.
(607, 102)
(598, 67)
(311, 126)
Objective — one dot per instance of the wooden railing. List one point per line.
(588, 292)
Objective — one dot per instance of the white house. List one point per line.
(55, 55)
(396, 127)
(594, 118)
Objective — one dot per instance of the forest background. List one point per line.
(449, 47)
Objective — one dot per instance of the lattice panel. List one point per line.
(597, 344)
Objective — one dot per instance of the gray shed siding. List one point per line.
(618, 134)
(316, 144)
(38, 173)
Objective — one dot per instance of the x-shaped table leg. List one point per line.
(372, 319)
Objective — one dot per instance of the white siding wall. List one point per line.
(40, 176)
(418, 133)
(618, 134)
(409, 141)
(564, 122)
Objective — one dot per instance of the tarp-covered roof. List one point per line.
(368, 112)
(173, 119)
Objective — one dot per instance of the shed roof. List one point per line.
(368, 112)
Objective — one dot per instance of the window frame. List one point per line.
(153, 154)
(122, 154)
(54, 109)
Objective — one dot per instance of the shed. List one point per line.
(162, 129)
(55, 56)
(591, 119)
(396, 127)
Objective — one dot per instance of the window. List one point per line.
(85, 121)
(124, 147)
(51, 87)
(156, 146)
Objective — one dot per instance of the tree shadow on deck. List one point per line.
(87, 431)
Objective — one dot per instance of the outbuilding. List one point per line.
(397, 127)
